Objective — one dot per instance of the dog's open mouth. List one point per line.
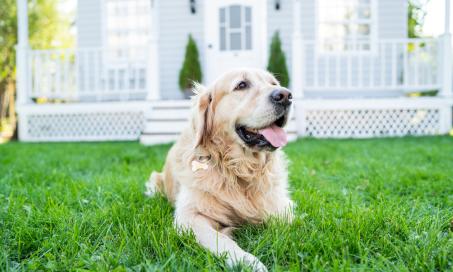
(271, 137)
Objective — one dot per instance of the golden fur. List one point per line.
(241, 184)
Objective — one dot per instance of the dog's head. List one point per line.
(247, 106)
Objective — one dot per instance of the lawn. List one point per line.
(361, 205)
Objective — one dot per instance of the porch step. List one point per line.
(166, 119)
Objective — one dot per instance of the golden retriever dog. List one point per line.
(227, 168)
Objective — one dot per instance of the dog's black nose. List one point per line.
(281, 97)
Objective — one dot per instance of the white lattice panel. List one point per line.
(372, 122)
(323, 118)
(102, 123)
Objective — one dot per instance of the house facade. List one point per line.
(352, 67)
(233, 34)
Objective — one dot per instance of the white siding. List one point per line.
(176, 23)
(89, 23)
(392, 19)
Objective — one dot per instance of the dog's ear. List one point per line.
(203, 115)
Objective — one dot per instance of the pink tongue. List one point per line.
(275, 135)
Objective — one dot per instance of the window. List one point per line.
(235, 28)
(345, 25)
(127, 25)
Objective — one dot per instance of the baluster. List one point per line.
(64, 73)
(406, 66)
(360, 73)
(382, 64)
(394, 60)
(35, 58)
(371, 68)
(49, 75)
(349, 85)
(96, 72)
(416, 61)
(315, 68)
(58, 59)
(337, 71)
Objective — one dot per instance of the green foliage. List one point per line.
(361, 205)
(277, 61)
(191, 68)
(415, 17)
(47, 25)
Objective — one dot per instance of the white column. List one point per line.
(447, 16)
(446, 57)
(297, 56)
(153, 75)
(21, 52)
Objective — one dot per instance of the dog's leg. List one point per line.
(215, 241)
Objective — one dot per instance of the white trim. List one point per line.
(22, 52)
(297, 72)
(446, 62)
(374, 103)
(83, 107)
(264, 44)
(447, 17)
(153, 69)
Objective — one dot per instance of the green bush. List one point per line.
(191, 68)
(277, 61)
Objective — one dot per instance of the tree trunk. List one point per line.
(8, 112)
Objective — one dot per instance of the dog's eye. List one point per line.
(242, 85)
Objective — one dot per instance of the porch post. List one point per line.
(445, 40)
(297, 56)
(153, 76)
(22, 48)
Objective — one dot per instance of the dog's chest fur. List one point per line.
(242, 190)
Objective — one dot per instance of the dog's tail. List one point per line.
(154, 184)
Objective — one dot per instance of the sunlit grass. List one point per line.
(361, 205)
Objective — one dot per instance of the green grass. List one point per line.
(361, 205)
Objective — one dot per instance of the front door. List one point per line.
(235, 36)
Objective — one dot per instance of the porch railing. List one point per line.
(90, 74)
(401, 65)
(100, 74)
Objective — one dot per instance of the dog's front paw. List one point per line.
(255, 263)
(249, 260)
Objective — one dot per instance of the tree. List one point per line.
(191, 68)
(277, 61)
(415, 17)
(48, 28)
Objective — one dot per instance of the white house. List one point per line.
(351, 64)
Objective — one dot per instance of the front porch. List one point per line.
(90, 94)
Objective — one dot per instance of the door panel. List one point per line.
(234, 36)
